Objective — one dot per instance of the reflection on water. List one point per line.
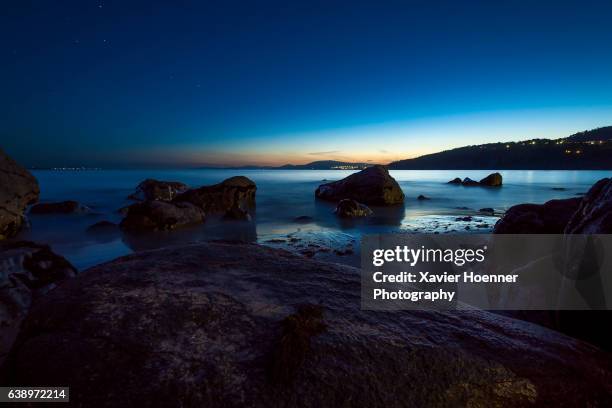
(283, 195)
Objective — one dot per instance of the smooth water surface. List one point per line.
(283, 195)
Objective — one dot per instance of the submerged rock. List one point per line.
(548, 218)
(371, 186)
(352, 209)
(27, 270)
(422, 197)
(61, 207)
(102, 227)
(222, 325)
(594, 215)
(236, 191)
(18, 189)
(161, 216)
(303, 219)
(487, 210)
(151, 189)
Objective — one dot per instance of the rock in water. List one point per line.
(469, 182)
(222, 325)
(161, 216)
(236, 191)
(492, 180)
(151, 189)
(351, 209)
(594, 215)
(371, 186)
(421, 197)
(456, 180)
(27, 270)
(18, 189)
(62, 207)
(549, 218)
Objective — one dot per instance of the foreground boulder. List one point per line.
(161, 216)
(351, 209)
(18, 189)
(594, 216)
(222, 325)
(548, 218)
(62, 207)
(236, 191)
(152, 189)
(371, 186)
(27, 270)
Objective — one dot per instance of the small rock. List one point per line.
(559, 188)
(469, 182)
(465, 219)
(422, 197)
(456, 180)
(492, 180)
(236, 191)
(488, 210)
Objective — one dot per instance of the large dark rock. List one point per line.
(352, 209)
(18, 189)
(372, 186)
(61, 207)
(549, 218)
(161, 216)
(151, 189)
(27, 270)
(594, 215)
(492, 180)
(236, 191)
(221, 325)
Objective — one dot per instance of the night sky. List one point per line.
(182, 83)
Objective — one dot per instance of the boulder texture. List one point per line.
(351, 209)
(27, 270)
(594, 215)
(18, 189)
(371, 186)
(548, 218)
(236, 191)
(161, 216)
(492, 180)
(151, 189)
(222, 325)
(62, 207)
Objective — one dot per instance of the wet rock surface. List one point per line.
(60, 207)
(594, 215)
(233, 192)
(27, 270)
(548, 218)
(18, 189)
(244, 325)
(161, 216)
(151, 189)
(371, 186)
(352, 209)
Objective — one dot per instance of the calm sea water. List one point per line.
(282, 196)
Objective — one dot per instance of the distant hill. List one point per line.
(315, 165)
(589, 150)
(326, 165)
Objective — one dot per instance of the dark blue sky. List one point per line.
(185, 83)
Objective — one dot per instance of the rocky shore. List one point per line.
(219, 324)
